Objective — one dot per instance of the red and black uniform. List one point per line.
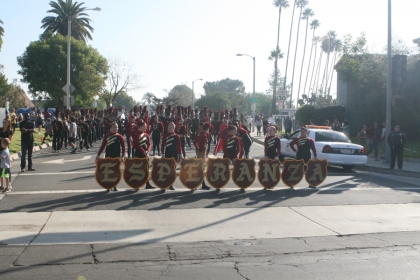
(157, 130)
(211, 131)
(201, 142)
(181, 130)
(245, 142)
(304, 147)
(171, 146)
(230, 147)
(272, 147)
(114, 145)
(129, 125)
(141, 142)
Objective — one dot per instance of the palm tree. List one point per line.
(314, 25)
(148, 97)
(306, 15)
(301, 4)
(1, 34)
(315, 42)
(318, 71)
(279, 4)
(331, 37)
(288, 51)
(80, 26)
(337, 47)
(275, 55)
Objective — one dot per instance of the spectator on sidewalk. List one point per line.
(296, 126)
(6, 132)
(374, 136)
(13, 119)
(39, 121)
(287, 125)
(362, 135)
(258, 123)
(271, 120)
(336, 125)
(383, 138)
(396, 141)
(48, 130)
(346, 128)
(73, 135)
(27, 128)
(5, 165)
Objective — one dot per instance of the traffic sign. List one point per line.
(254, 99)
(282, 97)
(72, 88)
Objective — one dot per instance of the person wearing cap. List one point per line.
(141, 142)
(396, 140)
(231, 145)
(181, 130)
(157, 132)
(171, 145)
(304, 146)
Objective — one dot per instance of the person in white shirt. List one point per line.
(271, 120)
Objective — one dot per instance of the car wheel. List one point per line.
(348, 167)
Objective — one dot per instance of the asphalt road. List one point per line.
(65, 182)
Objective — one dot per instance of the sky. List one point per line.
(172, 42)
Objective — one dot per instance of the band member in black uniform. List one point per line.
(84, 132)
(141, 142)
(201, 142)
(65, 135)
(157, 132)
(93, 129)
(88, 122)
(171, 145)
(231, 145)
(113, 144)
(181, 130)
(57, 128)
(272, 144)
(396, 141)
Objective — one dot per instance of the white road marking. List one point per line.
(63, 161)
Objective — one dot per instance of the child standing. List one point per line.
(5, 165)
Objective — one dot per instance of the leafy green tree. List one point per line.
(43, 67)
(1, 34)
(148, 97)
(304, 114)
(182, 93)
(125, 100)
(15, 96)
(215, 101)
(5, 87)
(80, 26)
(225, 85)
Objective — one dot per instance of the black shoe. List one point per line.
(159, 154)
(205, 187)
(171, 188)
(115, 189)
(107, 191)
(31, 169)
(148, 186)
(311, 187)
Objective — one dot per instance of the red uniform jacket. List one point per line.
(141, 141)
(201, 141)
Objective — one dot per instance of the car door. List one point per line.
(288, 150)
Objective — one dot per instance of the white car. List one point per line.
(331, 145)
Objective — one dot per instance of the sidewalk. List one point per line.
(411, 167)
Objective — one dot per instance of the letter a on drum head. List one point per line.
(191, 174)
(292, 172)
(317, 172)
(218, 173)
(136, 172)
(163, 172)
(269, 173)
(108, 173)
(243, 174)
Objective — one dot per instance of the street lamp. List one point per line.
(253, 91)
(68, 54)
(193, 92)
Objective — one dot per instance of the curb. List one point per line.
(380, 170)
(18, 155)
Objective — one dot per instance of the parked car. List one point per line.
(331, 145)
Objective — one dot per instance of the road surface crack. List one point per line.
(95, 260)
(235, 266)
(314, 221)
(171, 255)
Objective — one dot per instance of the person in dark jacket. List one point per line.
(396, 140)
(374, 135)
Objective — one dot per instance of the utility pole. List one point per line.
(389, 86)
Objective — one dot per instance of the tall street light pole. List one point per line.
(193, 92)
(389, 85)
(253, 87)
(68, 54)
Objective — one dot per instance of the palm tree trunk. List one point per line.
(288, 52)
(328, 73)
(309, 65)
(294, 61)
(313, 68)
(319, 70)
(278, 28)
(332, 71)
(273, 106)
(303, 58)
(324, 77)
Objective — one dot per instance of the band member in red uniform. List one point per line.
(304, 146)
(272, 144)
(114, 145)
(244, 141)
(201, 142)
(141, 142)
(181, 130)
(231, 145)
(171, 145)
(157, 132)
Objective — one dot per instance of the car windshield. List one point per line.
(331, 136)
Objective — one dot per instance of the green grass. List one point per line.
(15, 145)
(414, 146)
